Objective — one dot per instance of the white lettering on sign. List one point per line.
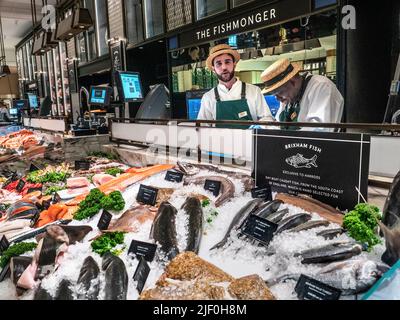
(245, 22)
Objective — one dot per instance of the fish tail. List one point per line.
(219, 244)
(313, 160)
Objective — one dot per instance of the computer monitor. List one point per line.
(272, 103)
(13, 112)
(99, 96)
(33, 101)
(129, 86)
(20, 104)
(193, 102)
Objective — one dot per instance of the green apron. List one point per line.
(292, 110)
(233, 110)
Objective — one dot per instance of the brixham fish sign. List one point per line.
(326, 166)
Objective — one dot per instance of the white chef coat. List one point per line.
(257, 105)
(321, 102)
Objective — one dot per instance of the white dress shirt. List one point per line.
(321, 102)
(257, 105)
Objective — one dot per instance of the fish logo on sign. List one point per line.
(298, 161)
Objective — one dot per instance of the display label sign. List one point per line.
(82, 165)
(56, 198)
(147, 195)
(20, 185)
(104, 220)
(311, 289)
(143, 249)
(4, 244)
(259, 229)
(141, 274)
(261, 17)
(213, 186)
(325, 166)
(174, 176)
(5, 272)
(33, 168)
(262, 193)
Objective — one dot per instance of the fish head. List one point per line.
(187, 168)
(290, 160)
(392, 239)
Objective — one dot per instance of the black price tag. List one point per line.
(5, 273)
(262, 193)
(259, 229)
(147, 195)
(33, 168)
(213, 186)
(11, 179)
(56, 198)
(104, 220)
(174, 176)
(143, 249)
(41, 143)
(82, 165)
(311, 289)
(20, 185)
(141, 274)
(34, 189)
(4, 244)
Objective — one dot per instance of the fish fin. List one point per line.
(314, 159)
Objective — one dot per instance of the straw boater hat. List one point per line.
(277, 74)
(218, 50)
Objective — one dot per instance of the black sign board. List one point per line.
(56, 198)
(82, 165)
(141, 274)
(311, 289)
(143, 249)
(4, 244)
(11, 179)
(213, 186)
(5, 272)
(259, 229)
(33, 168)
(104, 220)
(262, 193)
(20, 185)
(325, 166)
(174, 176)
(260, 17)
(147, 195)
(34, 189)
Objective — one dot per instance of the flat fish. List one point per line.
(332, 252)
(132, 219)
(278, 216)
(238, 220)
(76, 233)
(64, 291)
(391, 209)
(116, 277)
(163, 230)
(310, 225)
(268, 208)
(86, 280)
(292, 222)
(193, 209)
(330, 233)
(392, 240)
(17, 266)
(227, 187)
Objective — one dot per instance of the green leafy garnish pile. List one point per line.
(114, 171)
(362, 222)
(53, 189)
(107, 242)
(42, 176)
(114, 201)
(16, 250)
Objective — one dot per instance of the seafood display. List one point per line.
(202, 247)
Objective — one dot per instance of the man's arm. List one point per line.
(205, 112)
(262, 109)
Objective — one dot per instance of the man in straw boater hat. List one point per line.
(303, 98)
(232, 99)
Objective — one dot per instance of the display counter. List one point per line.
(58, 124)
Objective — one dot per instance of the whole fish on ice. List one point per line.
(299, 161)
(193, 209)
(88, 287)
(116, 277)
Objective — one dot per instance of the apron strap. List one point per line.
(217, 97)
(243, 91)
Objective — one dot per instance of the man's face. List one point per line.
(224, 67)
(286, 93)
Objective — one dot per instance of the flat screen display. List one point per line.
(20, 104)
(323, 3)
(33, 101)
(272, 103)
(13, 111)
(99, 96)
(131, 86)
(193, 108)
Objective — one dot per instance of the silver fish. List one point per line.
(238, 220)
(227, 187)
(278, 216)
(298, 161)
(392, 239)
(268, 208)
(330, 233)
(310, 225)
(332, 252)
(292, 222)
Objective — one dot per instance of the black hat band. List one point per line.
(279, 77)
